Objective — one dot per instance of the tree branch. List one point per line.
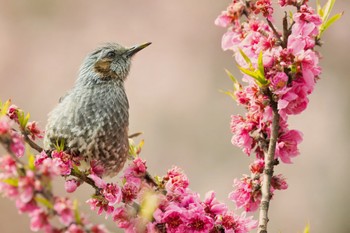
(148, 177)
(268, 170)
(275, 32)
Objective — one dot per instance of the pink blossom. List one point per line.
(257, 167)
(136, 169)
(8, 165)
(9, 191)
(5, 125)
(64, 209)
(26, 207)
(71, 185)
(279, 182)
(27, 186)
(174, 218)
(197, 221)
(130, 191)
(112, 194)
(305, 16)
(223, 20)
(287, 145)
(101, 205)
(304, 30)
(294, 101)
(237, 224)
(39, 220)
(63, 161)
(190, 200)
(98, 181)
(310, 69)
(279, 81)
(17, 144)
(96, 168)
(241, 129)
(98, 229)
(176, 179)
(212, 206)
(122, 217)
(230, 40)
(287, 2)
(12, 112)
(232, 13)
(246, 194)
(139, 166)
(46, 165)
(39, 159)
(74, 228)
(265, 7)
(34, 131)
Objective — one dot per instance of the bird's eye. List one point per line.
(111, 54)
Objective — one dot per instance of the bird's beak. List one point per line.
(131, 51)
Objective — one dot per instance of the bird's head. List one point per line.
(109, 62)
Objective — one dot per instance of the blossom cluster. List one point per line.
(29, 184)
(280, 70)
(173, 208)
(136, 203)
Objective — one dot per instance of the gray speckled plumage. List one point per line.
(93, 117)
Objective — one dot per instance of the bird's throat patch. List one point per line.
(103, 67)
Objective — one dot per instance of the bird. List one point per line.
(92, 119)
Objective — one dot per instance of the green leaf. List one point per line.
(327, 9)
(229, 93)
(261, 65)
(324, 13)
(5, 107)
(76, 212)
(260, 80)
(23, 120)
(60, 143)
(247, 59)
(31, 161)
(319, 8)
(44, 202)
(26, 119)
(236, 85)
(10, 181)
(252, 74)
(307, 228)
(76, 170)
(149, 204)
(332, 20)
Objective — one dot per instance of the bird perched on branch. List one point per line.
(92, 119)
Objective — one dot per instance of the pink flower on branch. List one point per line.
(71, 185)
(34, 130)
(39, 220)
(17, 144)
(237, 224)
(27, 186)
(64, 209)
(247, 194)
(287, 145)
(63, 161)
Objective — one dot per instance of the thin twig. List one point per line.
(286, 30)
(277, 35)
(148, 177)
(268, 170)
(32, 144)
(134, 135)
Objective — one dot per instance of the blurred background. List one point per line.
(174, 96)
